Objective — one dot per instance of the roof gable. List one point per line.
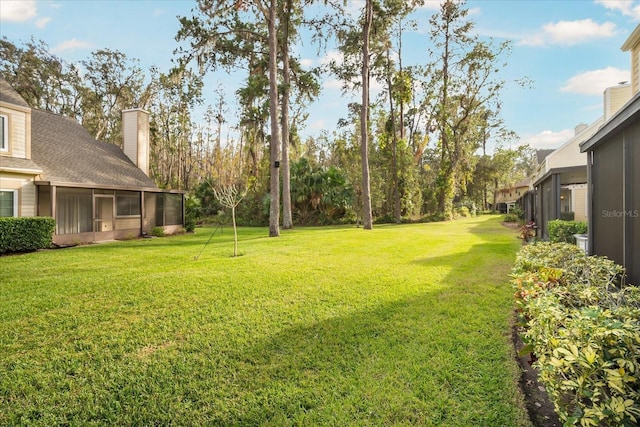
(10, 96)
(68, 154)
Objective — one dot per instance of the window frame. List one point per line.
(128, 195)
(4, 141)
(15, 200)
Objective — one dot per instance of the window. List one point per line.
(128, 203)
(4, 133)
(8, 203)
(74, 211)
(168, 209)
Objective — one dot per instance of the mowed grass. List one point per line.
(336, 326)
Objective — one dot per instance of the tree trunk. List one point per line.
(394, 145)
(367, 220)
(287, 218)
(274, 209)
(235, 231)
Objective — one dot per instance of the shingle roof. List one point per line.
(19, 165)
(67, 153)
(542, 154)
(8, 94)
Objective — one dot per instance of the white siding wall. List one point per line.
(26, 192)
(135, 131)
(635, 70)
(579, 202)
(569, 154)
(614, 98)
(19, 128)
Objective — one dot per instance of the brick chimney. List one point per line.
(135, 133)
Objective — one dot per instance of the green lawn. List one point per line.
(402, 325)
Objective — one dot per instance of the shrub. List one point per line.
(192, 213)
(26, 233)
(567, 216)
(528, 231)
(517, 211)
(510, 217)
(157, 231)
(583, 327)
(563, 231)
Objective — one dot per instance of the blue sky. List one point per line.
(569, 48)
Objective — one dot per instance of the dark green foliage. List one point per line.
(517, 210)
(567, 216)
(511, 217)
(563, 231)
(157, 232)
(192, 213)
(26, 233)
(319, 195)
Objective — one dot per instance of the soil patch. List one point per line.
(540, 408)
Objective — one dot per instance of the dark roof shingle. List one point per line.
(9, 94)
(67, 153)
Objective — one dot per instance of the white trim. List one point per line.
(15, 199)
(4, 144)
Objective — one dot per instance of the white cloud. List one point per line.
(306, 62)
(332, 84)
(596, 81)
(72, 44)
(626, 7)
(548, 138)
(431, 5)
(42, 22)
(17, 10)
(318, 125)
(569, 33)
(332, 55)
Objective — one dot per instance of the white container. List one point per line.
(582, 241)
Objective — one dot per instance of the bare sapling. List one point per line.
(230, 197)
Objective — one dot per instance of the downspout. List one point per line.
(555, 184)
(54, 210)
(590, 216)
(143, 214)
(627, 206)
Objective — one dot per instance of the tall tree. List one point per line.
(286, 17)
(230, 34)
(367, 220)
(464, 87)
(271, 15)
(113, 83)
(44, 81)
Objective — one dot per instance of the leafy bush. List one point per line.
(583, 326)
(510, 217)
(517, 211)
(26, 233)
(528, 231)
(463, 212)
(157, 231)
(192, 213)
(563, 231)
(567, 216)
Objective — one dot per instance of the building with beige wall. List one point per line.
(614, 178)
(51, 166)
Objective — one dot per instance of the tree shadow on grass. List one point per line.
(438, 358)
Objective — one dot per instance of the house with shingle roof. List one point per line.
(613, 170)
(51, 166)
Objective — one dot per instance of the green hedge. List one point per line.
(583, 326)
(563, 231)
(26, 233)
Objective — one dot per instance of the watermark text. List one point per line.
(620, 214)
